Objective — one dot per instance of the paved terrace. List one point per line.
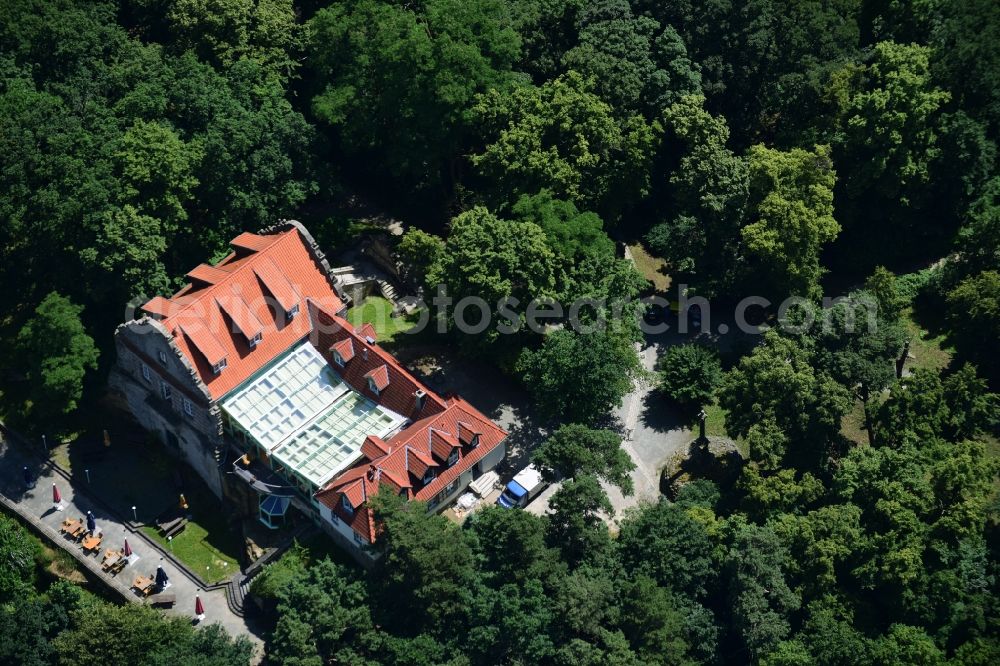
(35, 507)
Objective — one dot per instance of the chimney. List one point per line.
(419, 397)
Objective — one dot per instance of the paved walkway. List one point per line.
(654, 432)
(35, 506)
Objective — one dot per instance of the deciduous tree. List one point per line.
(574, 450)
(562, 137)
(790, 218)
(779, 380)
(689, 374)
(58, 353)
(579, 377)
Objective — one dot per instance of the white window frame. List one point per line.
(452, 457)
(337, 358)
(166, 391)
(255, 340)
(220, 366)
(162, 355)
(427, 479)
(146, 373)
(188, 407)
(290, 314)
(371, 386)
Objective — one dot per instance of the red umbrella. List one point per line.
(56, 497)
(126, 549)
(199, 608)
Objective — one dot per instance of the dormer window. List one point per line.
(378, 379)
(453, 457)
(219, 367)
(475, 441)
(255, 340)
(162, 355)
(428, 475)
(345, 504)
(290, 314)
(338, 359)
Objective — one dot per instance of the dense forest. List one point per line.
(804, 148)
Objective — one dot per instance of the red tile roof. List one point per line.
(374, 447)
(412, 451)
(207, 274)
(244, 319)
(442, 444)
(400, 394)
(379, 377)
(205, 342)
(345, 348)
(238, 292)
(276, 282)
(158, 306)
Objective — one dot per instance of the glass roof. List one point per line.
(333, 441)
(274, 505)
(311, 422)
(292, 391)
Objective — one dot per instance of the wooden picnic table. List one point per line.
(143, 584)
(111, 558)
(74, 528)
(92, 542)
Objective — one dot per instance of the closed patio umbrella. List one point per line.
(29, 480)
(56, 498)
(199, 608)
(91, 523)
(162, 581)
(127, 549)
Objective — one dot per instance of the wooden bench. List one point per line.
(167, 599)
(176, 529)
(168, 524)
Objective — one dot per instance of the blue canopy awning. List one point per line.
(275, 505)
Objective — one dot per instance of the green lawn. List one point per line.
(211, 554)
(652, 268)
(715, 421)
(377, 311)
(928, 351)
(852, 425)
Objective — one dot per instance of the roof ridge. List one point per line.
(387, 358)
(210, 290)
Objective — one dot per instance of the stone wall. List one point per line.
(145, 350)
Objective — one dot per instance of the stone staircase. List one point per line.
(238, 587)
(236, 593)
(387, 290)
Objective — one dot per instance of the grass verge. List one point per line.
(928, 351)
(207, 546)
(377, 311)
(652, 268)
